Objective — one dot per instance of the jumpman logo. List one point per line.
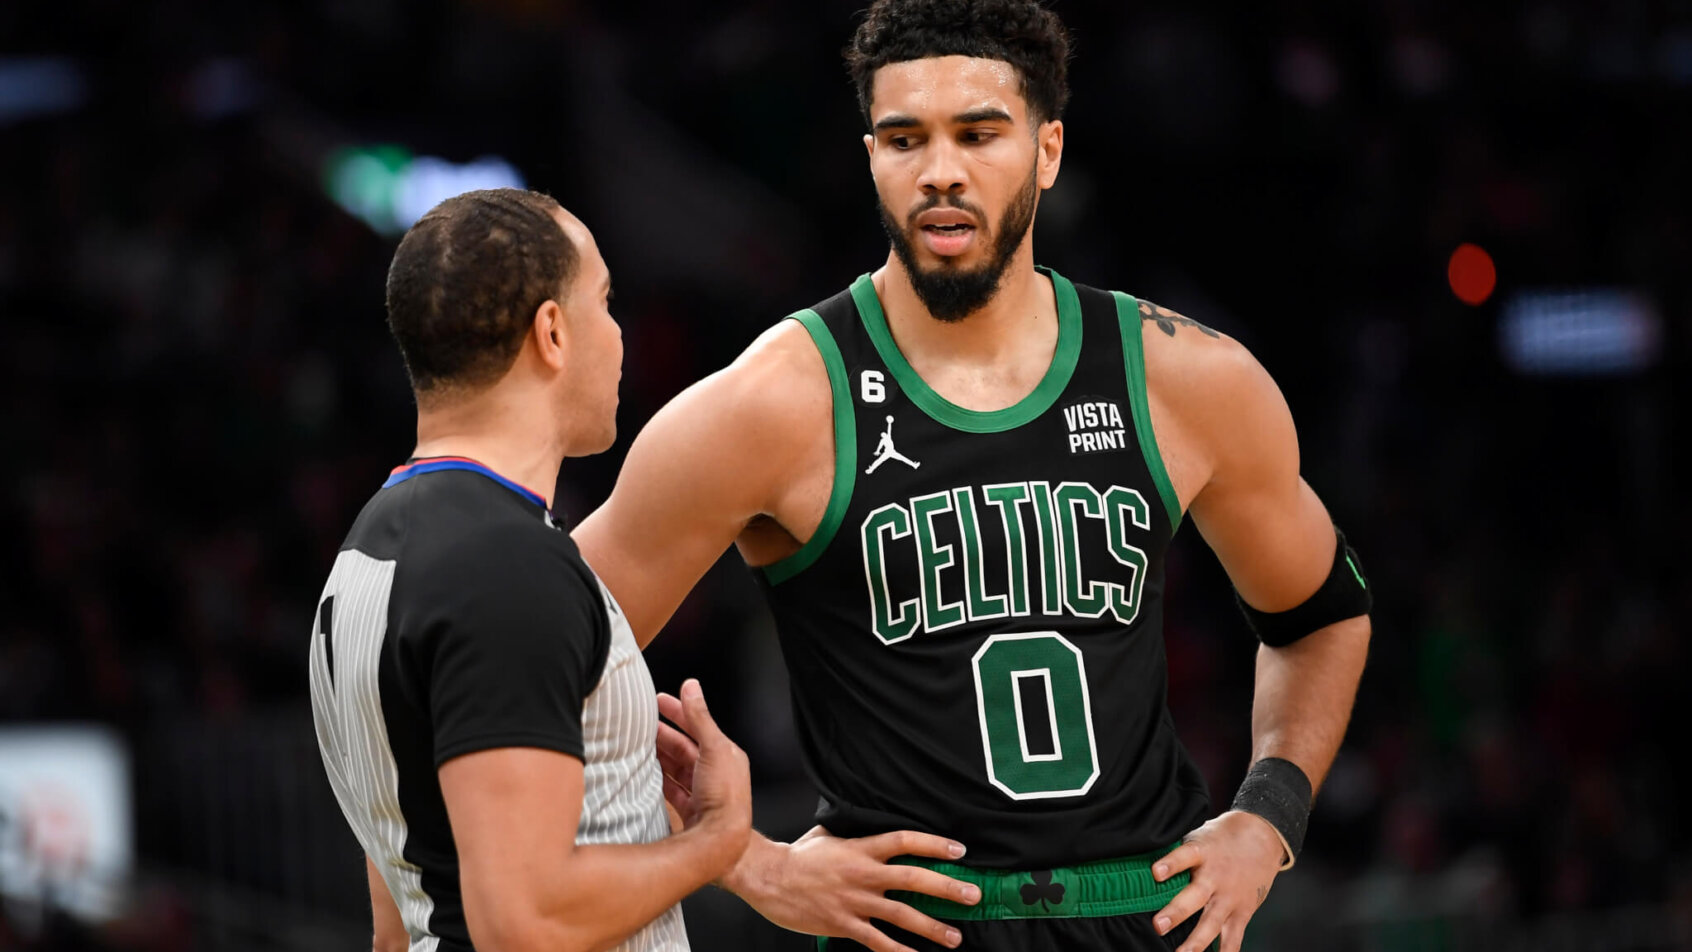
(884, 451)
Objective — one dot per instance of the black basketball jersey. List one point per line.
(974, 632)
(459, 618)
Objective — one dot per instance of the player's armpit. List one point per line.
(721, 453)
(387, 928)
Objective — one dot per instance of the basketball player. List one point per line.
(484, 714)
(957, 480)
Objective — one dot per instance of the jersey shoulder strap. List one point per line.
(828, 323)
(1125, 310)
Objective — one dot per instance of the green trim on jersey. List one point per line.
(978, 421)
(845, 453)
(1111, 887)
(1134, 356)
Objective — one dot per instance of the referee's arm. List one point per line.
(387, 927)
(527, 884)
(522, 641)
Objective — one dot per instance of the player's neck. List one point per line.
(497, 431)
(1021, 319)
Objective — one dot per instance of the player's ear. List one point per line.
(869, 144)
(551, 337)
(1048, 140)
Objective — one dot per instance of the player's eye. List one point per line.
(979, 135)
(901, 143)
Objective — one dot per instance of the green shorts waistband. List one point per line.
(1110, 887)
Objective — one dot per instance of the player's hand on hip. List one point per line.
(1234, 859)
(823, 884)
(711, 787)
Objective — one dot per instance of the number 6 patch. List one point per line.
(872, 386)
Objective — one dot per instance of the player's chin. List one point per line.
(959, 266)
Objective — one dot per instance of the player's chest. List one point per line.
(1053, 518)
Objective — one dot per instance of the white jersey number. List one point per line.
(872, 386)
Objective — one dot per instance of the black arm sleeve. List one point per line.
(518, 643)
(1344, 594)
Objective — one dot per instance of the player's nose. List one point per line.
(942, 168)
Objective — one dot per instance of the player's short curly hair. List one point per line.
(466, 281)
(1020, 32)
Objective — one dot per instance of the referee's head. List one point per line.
(500, 296)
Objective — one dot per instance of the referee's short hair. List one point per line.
(466, 281)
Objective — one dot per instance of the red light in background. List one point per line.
(1471, 274)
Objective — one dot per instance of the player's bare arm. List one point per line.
(744, 454)
(387, 928)
(745, 457)
(514, 814)
(1229, 441)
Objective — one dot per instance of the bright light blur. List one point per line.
(388, 188)
(1586, 332)
(1472, 274)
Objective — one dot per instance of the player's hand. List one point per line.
(1234, 859)
(823, 884)
(706, 777)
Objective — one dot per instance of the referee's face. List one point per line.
(595, 357)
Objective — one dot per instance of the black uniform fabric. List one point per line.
(496, 634)
(1116, 933)
(977, 651)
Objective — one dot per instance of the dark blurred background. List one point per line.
(198, 202)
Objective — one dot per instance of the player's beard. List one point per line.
(951, 293)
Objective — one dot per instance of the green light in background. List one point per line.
(388, 188)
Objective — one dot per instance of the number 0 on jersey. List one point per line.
(1035, 751)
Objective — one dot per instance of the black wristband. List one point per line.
(1278, 791)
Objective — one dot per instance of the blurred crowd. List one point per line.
(199, 393)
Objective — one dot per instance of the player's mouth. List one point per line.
(949, 239)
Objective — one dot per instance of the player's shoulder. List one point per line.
(776, 388)
(1213, 404)
(783, 359)
(1197, 367)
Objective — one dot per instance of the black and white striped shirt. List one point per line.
(459, 618)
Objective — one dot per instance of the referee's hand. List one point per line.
(706, 777)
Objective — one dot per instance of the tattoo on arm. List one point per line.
(1167, 319)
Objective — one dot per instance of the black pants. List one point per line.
(1112, 934)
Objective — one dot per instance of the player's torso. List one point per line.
(974, 630)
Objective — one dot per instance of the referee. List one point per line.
(484, 714)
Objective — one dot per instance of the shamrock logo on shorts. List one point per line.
(1042, 890)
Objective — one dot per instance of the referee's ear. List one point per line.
(550, 337)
